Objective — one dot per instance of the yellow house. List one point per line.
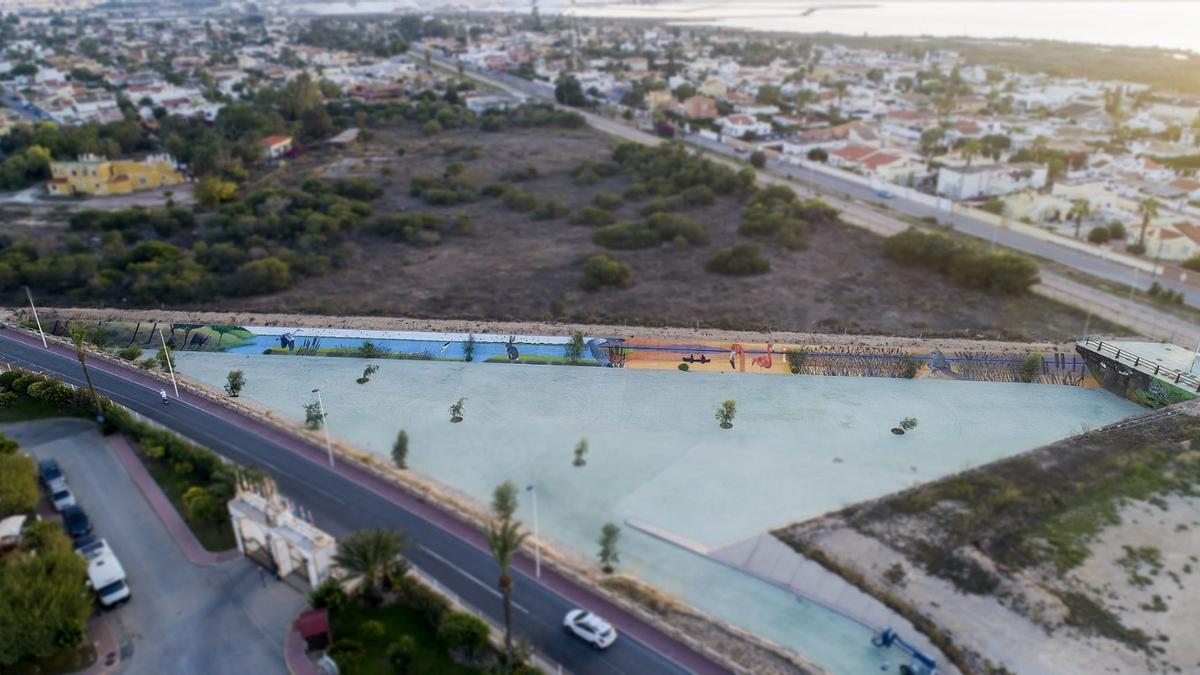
(97, 176)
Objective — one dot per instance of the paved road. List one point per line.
(182, 618)
(349, 499)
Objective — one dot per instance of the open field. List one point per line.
(1073, 558)
(514, 267)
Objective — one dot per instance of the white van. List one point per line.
(105, 574)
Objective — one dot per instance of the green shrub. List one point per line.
(459, 630)
(348, 653)
(592, 216)
(609, 201)
(601, 271)
(494, 189)
(1099, 235)
(517, 199)
(626, 235)
(420, 229)
(441, 190)
(130, 353)
(775, 212)
(739, 260)
(550, 210)
(966, 264)
(328, 595)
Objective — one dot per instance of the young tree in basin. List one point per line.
(400, 450)
(234, 382)
(609, 534)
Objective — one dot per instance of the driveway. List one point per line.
(185, 619)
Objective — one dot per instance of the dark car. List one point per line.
(49, 473)
(76, 522)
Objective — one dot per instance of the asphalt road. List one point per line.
(179, 611)
(349, 499)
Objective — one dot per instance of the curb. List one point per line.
(171, 519)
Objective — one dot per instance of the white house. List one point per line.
(989, 180)
(739, 126)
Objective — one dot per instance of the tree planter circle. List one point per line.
(898, 431)
(726, 425)
(456, 419)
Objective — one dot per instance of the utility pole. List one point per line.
(537, 541)
(36, 320)
(170, 366)
(324, 425)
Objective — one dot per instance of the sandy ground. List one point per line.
(1172, 531)
(546, 328)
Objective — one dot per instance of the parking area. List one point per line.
(182, 618)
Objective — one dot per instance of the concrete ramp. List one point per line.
(769, 559)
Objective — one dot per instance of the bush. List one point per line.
(550, 210)
(517, 199)
(626, 235)
(1116, 231)
(739, 260)
(427, 602)
(1099, 235)
(419, 229)
(372, 631)
(758, 159)
(601, 271)
(651, 231)
(609, 201)
(592, 216)
(777, 213)
(1136, 249)
(993, 205)
(18, 485)
(441, 190)
(1031, 368)
(459, 630)
(964, 263)
(1192, 263)
(130, 353)
(347, 653)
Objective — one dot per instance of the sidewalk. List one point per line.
(175, 524)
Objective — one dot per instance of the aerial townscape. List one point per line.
(393, 336)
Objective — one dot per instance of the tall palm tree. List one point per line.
(1080, 209)
(78, 337)
(374, 557)
(1148, 208)
(505, 538)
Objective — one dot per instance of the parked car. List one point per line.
(105, 574)
(590, 628)
(50, 475)
(76, 521)
(62, 497)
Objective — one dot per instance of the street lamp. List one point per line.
(170, 366)
(537, 541)
(324, 425)
(36, 320)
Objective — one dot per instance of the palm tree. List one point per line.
(505, 538)
(1148, 208)
(374, 557)
(970, 148)
(1080, 209)
(78, 335)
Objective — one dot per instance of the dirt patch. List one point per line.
(517, 268)
(1072, 558)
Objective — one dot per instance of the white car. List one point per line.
(62, 497)
(590, 628)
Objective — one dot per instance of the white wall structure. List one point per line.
(269, 526)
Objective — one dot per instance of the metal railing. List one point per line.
(1152, 368)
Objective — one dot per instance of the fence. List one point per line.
(1120, 355)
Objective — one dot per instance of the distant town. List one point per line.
(1108, 162)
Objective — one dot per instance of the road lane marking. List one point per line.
(456, 568)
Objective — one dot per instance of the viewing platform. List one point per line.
(1153, 374)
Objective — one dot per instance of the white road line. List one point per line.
(466, 574)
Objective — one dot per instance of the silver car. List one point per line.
(61, 496)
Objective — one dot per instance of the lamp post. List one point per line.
(36, 320)
(537, 541)
(170, 366)
(324, 425)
